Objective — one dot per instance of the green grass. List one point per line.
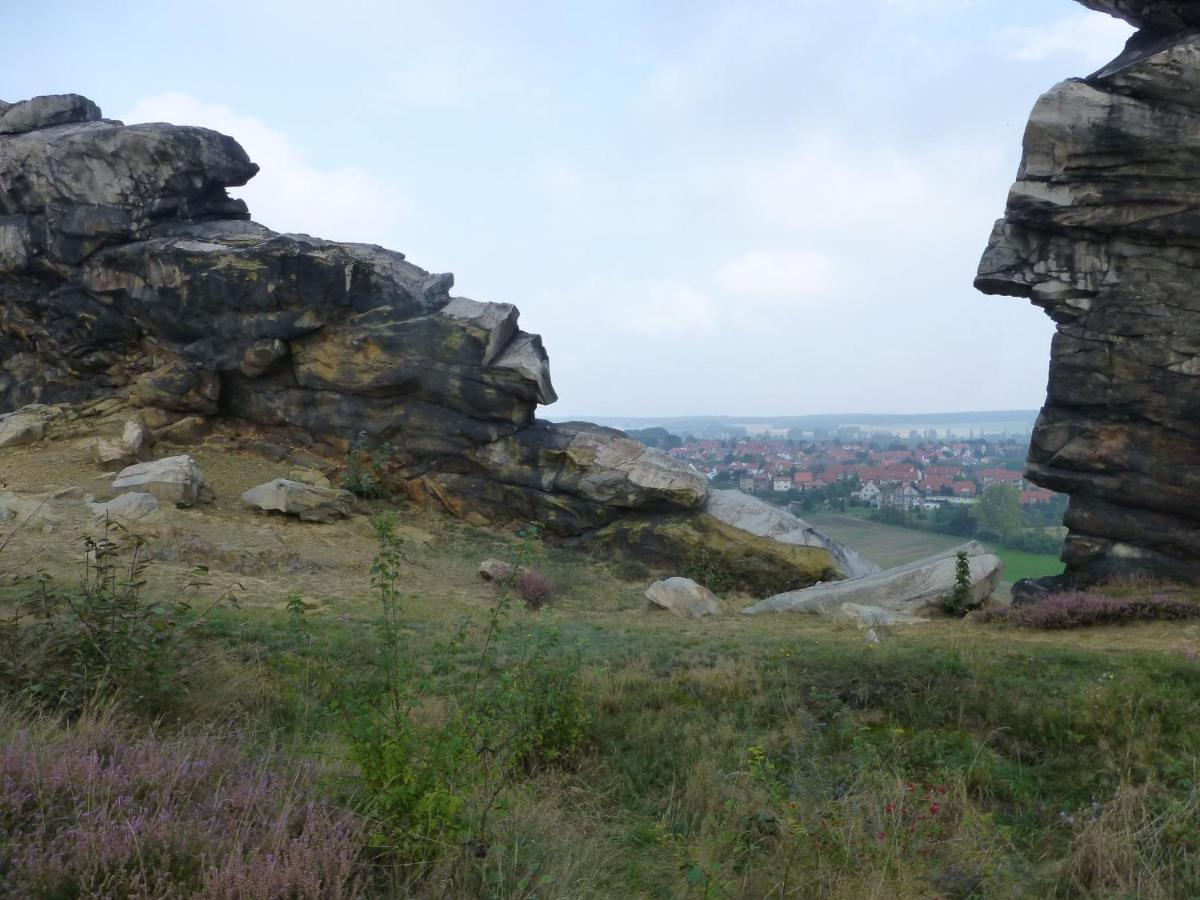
(745, 757)
(1018, 564)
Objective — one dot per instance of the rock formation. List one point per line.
(913, 588)
(1102, 231)
(127, 271)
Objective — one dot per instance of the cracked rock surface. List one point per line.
(1102, 230)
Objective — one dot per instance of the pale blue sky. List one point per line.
(704, 207)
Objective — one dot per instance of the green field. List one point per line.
(889, 545)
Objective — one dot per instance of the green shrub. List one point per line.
(367, 473)
(957, 601)
(451, 728)
(706, 568)
(66, 645)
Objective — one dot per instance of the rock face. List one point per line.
(912, 589)
(761, 518)
(1102, 231)
(127, 272)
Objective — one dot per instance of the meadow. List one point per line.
(437, 738)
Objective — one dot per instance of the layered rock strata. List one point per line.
(127, 271)
(1102, 230)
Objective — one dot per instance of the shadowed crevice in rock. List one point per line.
(1102, 230)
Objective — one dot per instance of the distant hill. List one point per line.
(958, 424)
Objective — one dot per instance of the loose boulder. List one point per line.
(913, 589)
(173, 479)
(128, 448)
(26, 425)
(683, 597)
(495, 570)
(306, 501)
(136, 512)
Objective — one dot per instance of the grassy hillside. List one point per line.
(457, 744)
(889, 545)
(373, 719)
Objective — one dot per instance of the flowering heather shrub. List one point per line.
(102, 815)
(1080, 609)
(534, 589)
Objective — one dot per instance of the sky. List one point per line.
(751, 208)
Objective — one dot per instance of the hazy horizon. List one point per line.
(689, 225)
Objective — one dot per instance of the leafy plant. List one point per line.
(703, 567)
(434, 764)
(957, 601)
(367, 472)
(67, 645)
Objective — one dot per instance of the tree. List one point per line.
(998, 511)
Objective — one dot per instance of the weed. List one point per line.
(534, 589)
(367, 471)
(67, 645)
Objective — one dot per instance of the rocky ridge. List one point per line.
(1101, 230)
(128, 273)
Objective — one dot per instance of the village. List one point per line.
(881, 471)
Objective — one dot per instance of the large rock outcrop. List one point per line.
(127, 271)
(1102, 230)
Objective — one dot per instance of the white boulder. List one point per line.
(295, 498)
(173, 479)
(26, 425)
(496, 570)
(915, 588)
(683, 597)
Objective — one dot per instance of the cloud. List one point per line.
(1094, 38)
(290, 193)
(446, 74)
(652, 307)
(924, 7)
(770, 277)
(831, 190)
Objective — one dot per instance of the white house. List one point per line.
(869, 493)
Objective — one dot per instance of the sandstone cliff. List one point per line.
(1102, 231)
(127, 271)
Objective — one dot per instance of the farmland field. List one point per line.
(889, 545)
